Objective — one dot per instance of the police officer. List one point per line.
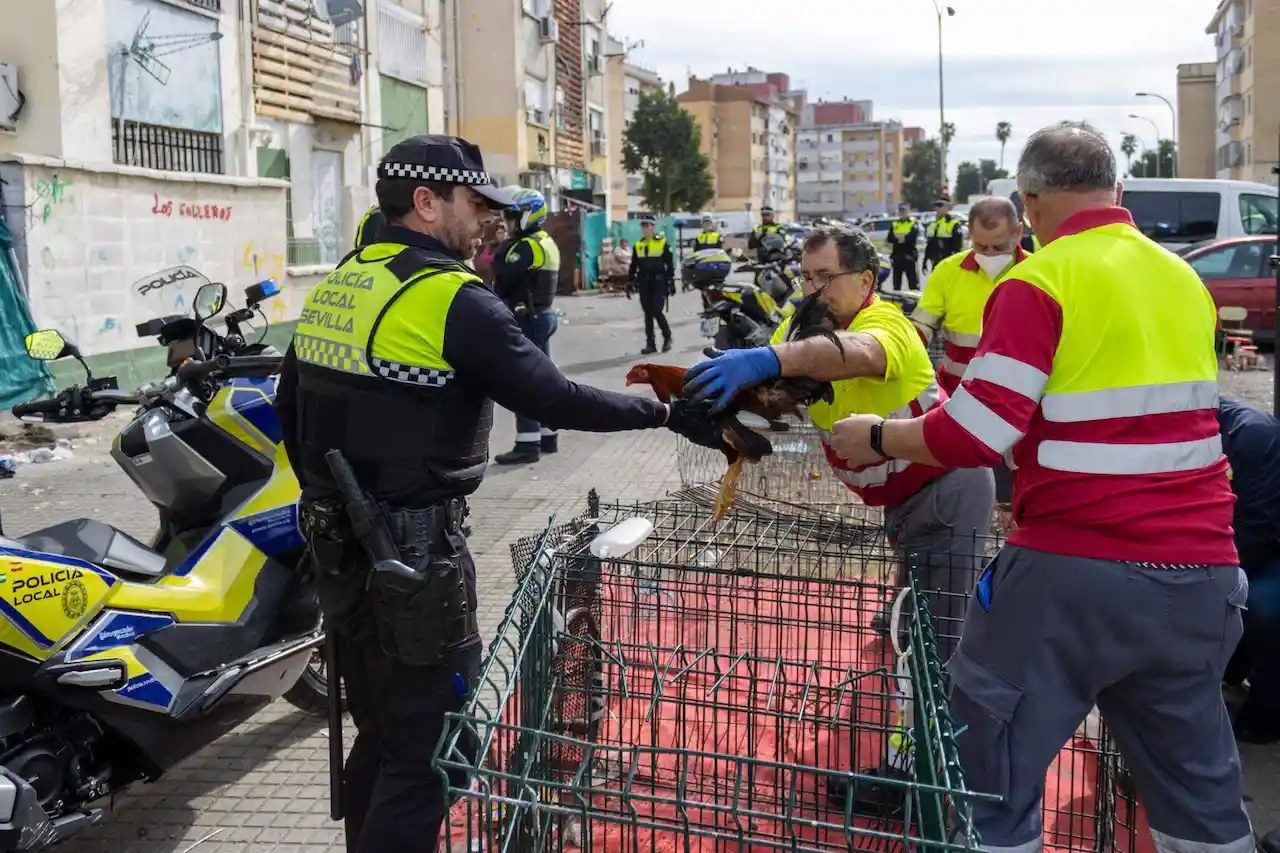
(904, 234)
(708, 237)
(1096, 372)
(525, 278)
(370, 224)
(945, 235)
(768, 225)
(397, 359)
(653, 272)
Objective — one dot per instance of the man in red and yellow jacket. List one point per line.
(956, 293)
(1120, 587)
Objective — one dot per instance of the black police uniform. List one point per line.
(397, 359)
(370, 224)
(653, 270)
(904, 253)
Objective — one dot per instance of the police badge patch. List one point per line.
(75, 598)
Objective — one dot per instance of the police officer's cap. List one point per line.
(442, 159)
(766, 209)
(648, 220)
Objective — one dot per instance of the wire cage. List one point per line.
(716, 688)
(709, 690)
(797, 474)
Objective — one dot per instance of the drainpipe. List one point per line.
(247, 113)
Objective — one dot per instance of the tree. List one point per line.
(663, 144)
(1128, 147)
(1004, 130)
(921, 181)
(948, 134)
(1151, 165)
(968, 182)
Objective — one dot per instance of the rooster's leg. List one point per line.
(728, 489)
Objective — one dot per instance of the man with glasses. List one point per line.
(938, 515)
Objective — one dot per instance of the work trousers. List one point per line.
(653, 302)
(905, 267)
(538, 327)
(395, 800)
(1047, 637)
(943, 531)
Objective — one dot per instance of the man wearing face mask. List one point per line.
(957, 290)
(1121, 586)
(398, 358)
(937, 514)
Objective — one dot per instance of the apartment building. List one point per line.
(847, 164)
(1197, 118)
(748, 122)
(235, 137)
(624, 84)
(1247, 75)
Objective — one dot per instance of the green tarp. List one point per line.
(22, 378)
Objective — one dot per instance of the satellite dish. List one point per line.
(145, 48)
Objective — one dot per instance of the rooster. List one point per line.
(770, 401)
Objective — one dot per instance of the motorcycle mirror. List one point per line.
(210, 300)
(50, 345)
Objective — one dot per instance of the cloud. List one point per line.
(1003, 60)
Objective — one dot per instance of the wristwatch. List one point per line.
(877, 438)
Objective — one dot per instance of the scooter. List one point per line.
(738, 315)
(119, 658)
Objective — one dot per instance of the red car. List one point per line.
(1237, 271)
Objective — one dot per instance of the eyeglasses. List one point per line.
(823, 279)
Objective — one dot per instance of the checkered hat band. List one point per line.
(432, 173)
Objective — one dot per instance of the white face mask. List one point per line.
(993, 265)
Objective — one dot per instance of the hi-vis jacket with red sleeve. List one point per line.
(1097, 371)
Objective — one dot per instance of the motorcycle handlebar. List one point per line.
(39, 407)
(245, 366)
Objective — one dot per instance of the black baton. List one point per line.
(337, 755)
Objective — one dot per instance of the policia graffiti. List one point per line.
(397, 360)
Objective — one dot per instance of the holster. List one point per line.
(424, 605)
(340, 578)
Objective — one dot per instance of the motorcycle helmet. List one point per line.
(529, 207)
(705, 267)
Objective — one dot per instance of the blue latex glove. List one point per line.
(718, 379)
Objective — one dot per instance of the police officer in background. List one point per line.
(370, 224)
(708, 237)
(768, 225)
(653, 272)
(944, 236)
(525, 277)
(397, 360)
(904, 234)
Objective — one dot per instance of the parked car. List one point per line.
(1238, 273)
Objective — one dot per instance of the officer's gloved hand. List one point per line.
(693, 421)
(671, 287)
(719, 379)
(628, 290)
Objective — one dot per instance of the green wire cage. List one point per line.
(660, 682)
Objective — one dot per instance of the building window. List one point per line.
(562, 121)
(211, 5)
(535, 101)
(830, 138)
(172, 149)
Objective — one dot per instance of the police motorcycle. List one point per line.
(119, 658)
(735, 315)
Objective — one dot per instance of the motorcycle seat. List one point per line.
(98, 543)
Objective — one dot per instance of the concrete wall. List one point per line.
(1197, 117)
(89, 238)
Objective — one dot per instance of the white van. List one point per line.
(1177, 212)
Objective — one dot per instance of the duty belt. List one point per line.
(409, 524)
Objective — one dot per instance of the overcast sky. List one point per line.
(1003, 60)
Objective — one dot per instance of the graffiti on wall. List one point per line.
(93, 246)
(266, 264)
(192, 96)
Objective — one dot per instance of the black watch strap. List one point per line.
(877, 438)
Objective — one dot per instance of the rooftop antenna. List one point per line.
(145, 50)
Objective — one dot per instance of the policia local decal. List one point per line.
(65, 584)
(334, 300)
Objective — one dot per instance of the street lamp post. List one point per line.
(942, 112)
(1173, 117)
(1156, 127)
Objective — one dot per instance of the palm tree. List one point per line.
(1004, 130)
(948, 134)
(1128, 147)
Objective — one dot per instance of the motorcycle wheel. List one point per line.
(310, 693)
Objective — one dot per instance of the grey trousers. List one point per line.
(1047, 637)
(943, 530)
